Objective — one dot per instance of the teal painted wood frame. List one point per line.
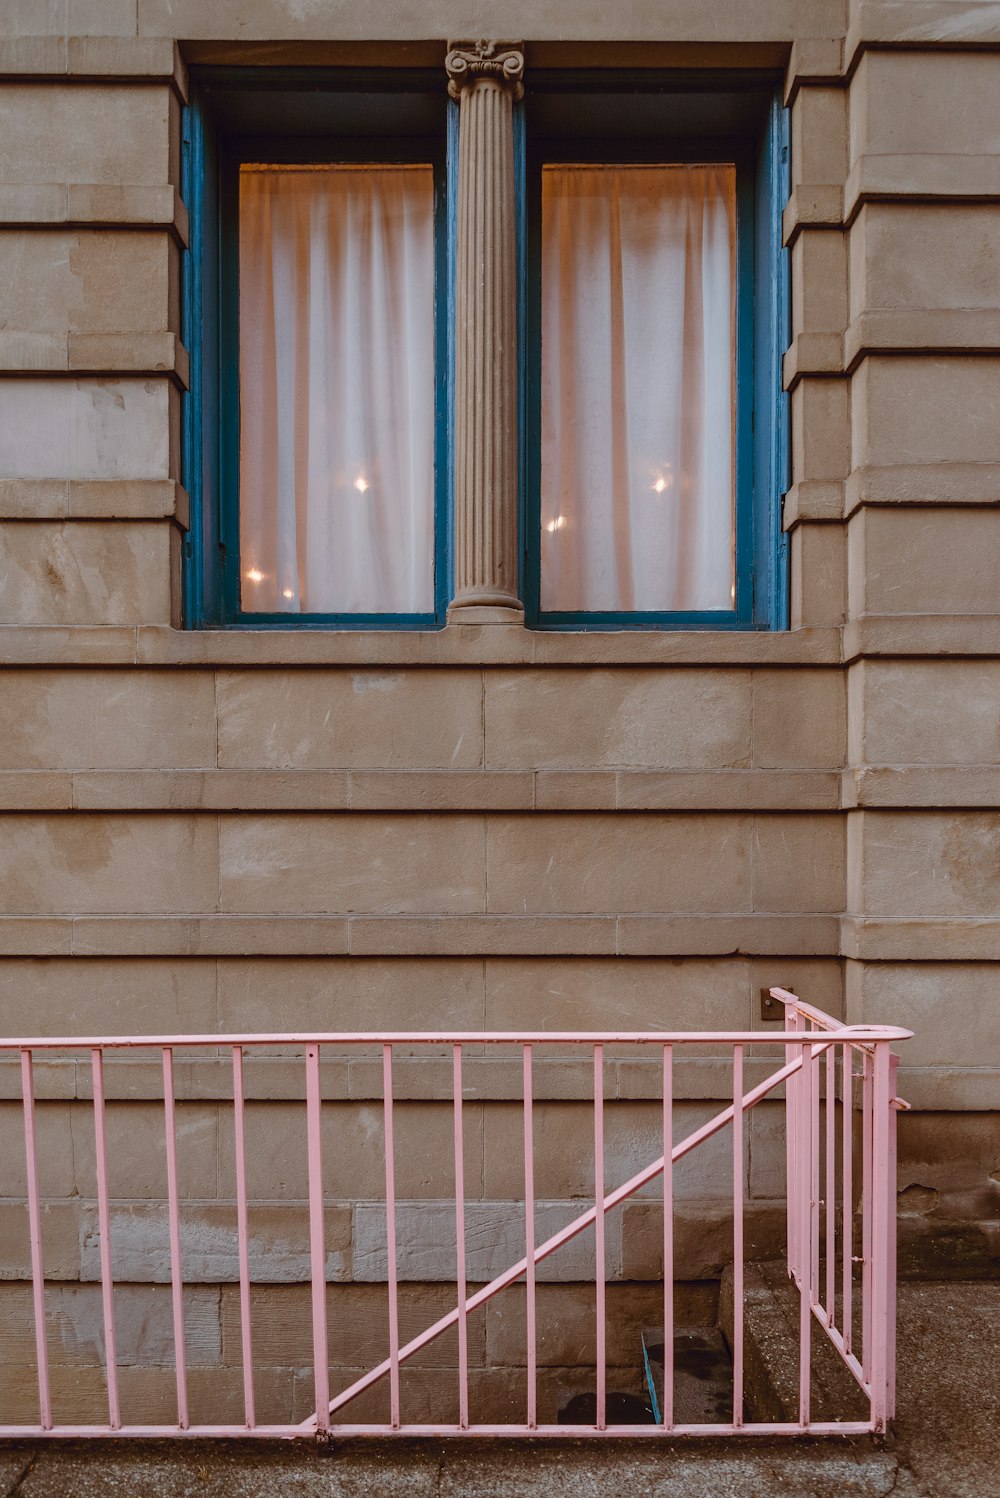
(762, 456)
(210, 299)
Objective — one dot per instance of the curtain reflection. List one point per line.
(638, 360)
(337, 389)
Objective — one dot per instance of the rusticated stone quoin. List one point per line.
(485, 77)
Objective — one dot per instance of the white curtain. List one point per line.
(337, 389)
(638, 368)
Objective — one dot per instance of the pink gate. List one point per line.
(840, 1259)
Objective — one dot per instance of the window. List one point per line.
(654, 308)
(320, 305)
(324, 477)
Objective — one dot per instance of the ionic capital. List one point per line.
(468, 63)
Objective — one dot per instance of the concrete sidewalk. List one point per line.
(943, 1445)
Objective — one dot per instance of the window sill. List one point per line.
(456, 645)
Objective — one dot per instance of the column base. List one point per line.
(484, 613)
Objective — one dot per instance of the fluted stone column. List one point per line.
(485, 77)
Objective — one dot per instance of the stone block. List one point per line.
(952, 1007)
(86, 429)
(96, 996)
(99, 572)
(353, 1151)
(144, 1327)
(336, 993)
(798, 863)
(818, 567)
(565, 1321)
(952, 105)
(633, 1140)
(94, 863)
(928, 712)
(88, 133)
(358, 1329)
(278, 1244)
(910, 411)
(925, 864)
(821, 430)
(819, 136)
(626, 862)
(365, 863)
(55, 283)
(925, 255)
(56, 17)
(799, 719)
(944, 561)
(622, 719)
(819, 283)
(107, 720)
(60, 1222)
(136, 1144)
(703, 1237)
(53, 1122)
(494, 1238)
(577, 993)
(356, 719)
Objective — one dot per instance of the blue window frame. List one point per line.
(313, 115)
(675, 118)
(301, 118)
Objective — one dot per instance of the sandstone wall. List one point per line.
(486, 826)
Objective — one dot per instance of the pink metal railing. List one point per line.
(811, 1042)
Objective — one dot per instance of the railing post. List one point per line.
(891, 1265)
(793, 1021)
(883, 1274)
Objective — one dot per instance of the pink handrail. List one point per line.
(810, 1040)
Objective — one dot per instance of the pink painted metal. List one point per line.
(392, 1269)
(809, 1043)
(243, 1236)
(529, 1238)
(174, 1215)
(668, 1237)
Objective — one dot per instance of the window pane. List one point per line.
(638, 368)
(337, 389)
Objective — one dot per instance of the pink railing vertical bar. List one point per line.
(866, 1215)
(104, 1222)
(174, 1228)
(243, 1235)
(830, 1193)
(35, 1236)
(317, 1239)
(804, 1216)
(463, 1330)
(390, 1236)
(890, 1196)
(883, 1272)
(793, 1021)
(847, 1187)
(668, 1238)
(599, 1257)
(814, 1178)
(529, 1239)
(738, 1192)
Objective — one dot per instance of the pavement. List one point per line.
(944, 1445)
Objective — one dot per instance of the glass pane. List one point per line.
(337, 389)
(638, 372)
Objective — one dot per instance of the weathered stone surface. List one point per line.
(925, 864)
(617, 719)
(67, 573)
(107, 720)
(88, 133)
(96, 863)
(358, 863)
(367, 719)
(944, 561)
(927, 713)
(86, 429)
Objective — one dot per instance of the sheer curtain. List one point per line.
(337, 389)
(638, 368)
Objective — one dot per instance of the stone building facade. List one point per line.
(488, 825)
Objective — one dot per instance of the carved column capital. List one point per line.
(468, 63)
